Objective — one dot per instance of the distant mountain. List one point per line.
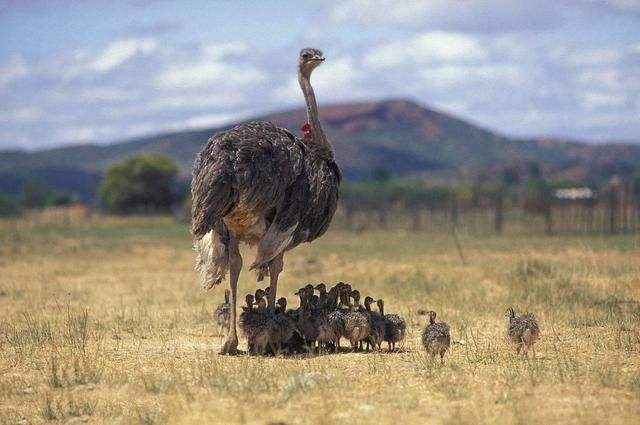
(397, 135)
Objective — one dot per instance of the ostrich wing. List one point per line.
(323, 179)
(251, 166)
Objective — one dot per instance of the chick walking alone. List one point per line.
(222, 314)
(523, 331)
(436, 337)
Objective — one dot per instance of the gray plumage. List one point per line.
(436, 337)
(254, 325)
(376, 325)
(267, 332)
(395, 327)
(356, 323)
(328, 333)
(523, 330)
(265, 186)
(259, 184)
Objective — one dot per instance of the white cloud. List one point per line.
(450, 76)
(596, 100)
(105, 94)
(337, 75)
(619, 5)
(466, 16)
(209, 120)
(395, 11)
(289, 92)
(208, 73)
(20, 115)
(430, 47)
(610, 78)
(84, 133)
(15, 69)
(121, 51)
(335, 79)
(590, 57)
(220, 50)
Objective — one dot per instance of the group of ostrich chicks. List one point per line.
(323, 319)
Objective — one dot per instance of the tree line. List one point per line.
(149, 184)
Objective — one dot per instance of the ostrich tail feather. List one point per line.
(212, 259)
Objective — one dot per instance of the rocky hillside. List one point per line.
(397, 135)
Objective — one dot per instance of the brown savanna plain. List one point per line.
(102, 322)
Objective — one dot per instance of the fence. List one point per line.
(562, 218)
(63, 216)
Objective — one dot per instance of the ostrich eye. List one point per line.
(306, 55)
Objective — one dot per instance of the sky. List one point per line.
(100, 71)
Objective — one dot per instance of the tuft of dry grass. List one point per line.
(103, 322)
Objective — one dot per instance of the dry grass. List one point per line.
(103, 323)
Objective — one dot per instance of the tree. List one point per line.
(510, 176)
(142, 183)
(8, 207)
(35, 194)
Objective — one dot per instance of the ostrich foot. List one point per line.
(230, 347)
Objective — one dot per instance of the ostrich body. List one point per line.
(523, 331)
(356, 323)
(395, 327)
(261, 185)
(376, 324)
(436, 337)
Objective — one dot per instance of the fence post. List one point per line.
(548, 220)
(613, 206)
(416, 222)
(499, 211)
(454, 210)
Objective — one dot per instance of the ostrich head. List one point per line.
(367, 302)
(432, 316)
(355, 294)
(309, 60)
(510, 314)
(282, 304)
(249, 300)
(332, 296)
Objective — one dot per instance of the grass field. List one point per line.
(103, 322)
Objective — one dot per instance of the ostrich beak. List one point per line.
(318, 59)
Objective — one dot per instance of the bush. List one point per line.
(142, 183)
(35, 194)
(8, 207)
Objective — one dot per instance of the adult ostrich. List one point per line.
(261, 185)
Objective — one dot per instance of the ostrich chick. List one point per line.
(376, 324)
(436, 337)
(523, 330)
(356, 323)
(222, 313)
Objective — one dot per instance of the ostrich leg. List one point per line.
(235, 265)
(275, 267)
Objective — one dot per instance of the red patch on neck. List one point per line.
(306, 129)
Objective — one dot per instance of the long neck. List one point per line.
(318, 138)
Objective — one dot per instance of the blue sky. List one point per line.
(101, 71)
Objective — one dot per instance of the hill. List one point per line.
(397, 135)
